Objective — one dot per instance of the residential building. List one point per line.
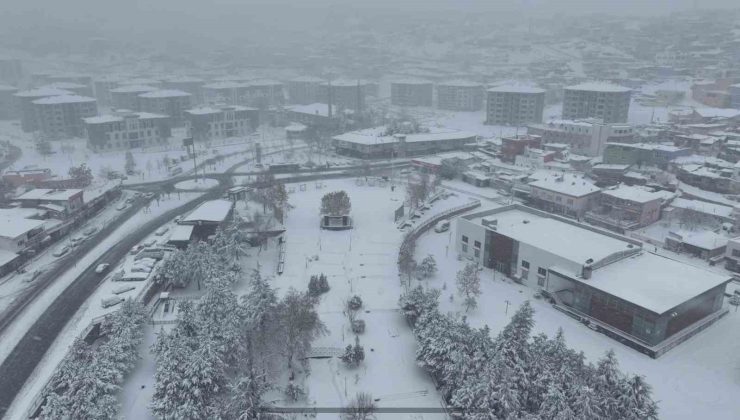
(732, 255)
(8, 108)
(264, 94)
(460, 95)
(643, 154)
(62, 116)
(208, 123)
(514, 105)
(707, 245)
(735, 96)
(373, 143)
(566, 193)
(24, 102)
(586, 137)
(315, 115)
(76, 88)
(127, 96)
(126, 130)
(412, 92)
(172, 103)
(103, 85)
(699, 212)
(304, 90)
(624, 208)
(347, 94)
(80, 79)
(19, 239)
(707, 178)
(66, 202)
(191, 85)
(21, 177)
(606, 280)
(513, 146)
(225, 92)
(605, 101)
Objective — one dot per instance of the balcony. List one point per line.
(609, 221)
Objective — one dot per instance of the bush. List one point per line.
(318, 285)
(294, 392)
(353, 355)
(358, 326)
(355, 303)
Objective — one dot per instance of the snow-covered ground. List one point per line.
(699, 376)
(197, 184)
(88, 311)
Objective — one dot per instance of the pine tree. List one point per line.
(417, 302)
(636, 400)
(585, 405)
(426, 268)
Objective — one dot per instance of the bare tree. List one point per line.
(362, 407)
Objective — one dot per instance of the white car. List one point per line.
(89, 231)
(121, 206)
(442, 226)
(61, 251)
(101, 268)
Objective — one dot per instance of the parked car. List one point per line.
(121, 206)
(76, 240)
(61, 251)
(149, 195)
(101, 268)
(91, 230)
(442, 226)
(111, 301)
(161, 231)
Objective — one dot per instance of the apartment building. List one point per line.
(24, 105)
(127, 96)
(624, 208)
(11, 71)
(8, 108)
(567, 194)
(347, 94)
(170, 102)
(126, 130)
(460, 95)
(62, 116)
(586, 137)
(208, 123)
(304, 90)
(191, 85)
(412, 92)
(605, 101)
(514, 105)
(643, 154)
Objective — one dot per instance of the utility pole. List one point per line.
(190, 145)
(507, 307)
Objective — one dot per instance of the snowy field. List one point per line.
(88, 311)
(701, 375)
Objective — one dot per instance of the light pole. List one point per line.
(507, 307)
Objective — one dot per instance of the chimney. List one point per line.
(587, 269)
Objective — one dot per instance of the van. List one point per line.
(442, 226)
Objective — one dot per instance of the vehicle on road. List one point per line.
(121, 206)
(111, 301)
(149, 195)
(161, 231)
(61, 251)
(77, 240)
(33, 276)
(442, 226)
(90, 231)
(101, 268)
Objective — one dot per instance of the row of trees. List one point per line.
(86, 382)
(271, 194)
(515, 375)
(221, 358)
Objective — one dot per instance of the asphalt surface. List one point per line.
(21, 362)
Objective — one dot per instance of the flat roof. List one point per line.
(133, 89)
(460, 83)
(566, 183)
(306, 79)
(316, 108)
(375, 136)
(568, 240)
(49, 194)
(102, 119)
(599, 87)
(634, 193)
(516, 88)
(206, 110)
(181, 233)
(14, 227)
(654, 282)
(63, 99)
(6, 257)
(164, 93)
(42, 92)
(702, 207)
(210, 211)
(411, 81)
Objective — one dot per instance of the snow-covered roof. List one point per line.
(165, 93)
(295, 127)
(206, 110)
(411, 81)
(705, 239)
(348, 82)
(181, 233)
(718, 112)
(460, 83)
(612, 166)
(140, 81)
(65, 85)
(182, 79)
(14, 227)
(264, 82)
(52, 207)
(102, 119)
(634, 193)
(42, 92)
(209, 211)
(516, 88)
(8, 88)
(6, 257)
(63, 99)
(654, 282)
(306, 79)
(374, 136)
(568, 184)
(567, 240)
(224, 85)
(703, 207)
(599, 87)
(134, 89)
(49, 194)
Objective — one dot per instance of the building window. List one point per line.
(541, 281)
(465, 239)
(465, 248)
(541, 271)
(525, 264)
(525, 274)
(477, 253)
(736, 252)
(477, 244)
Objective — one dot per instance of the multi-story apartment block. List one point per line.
(412, 92)
(585, 137)
(347, 94)
(168, 102)
(264, 94)
(8, 109)
(208, 123)
(624, 208)
(191, 85)
(460, 95)
(128, 130)
(24, 103)
(127, 96)
(514, 105)
(75, 88)
(103, 85)
(62, 116)
(304, 90)
(565, 193)
(605, 101)
(224, 92)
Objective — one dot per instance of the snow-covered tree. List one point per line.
(353, 355)
(299, 325)
(426, 268)
(468, 285)
(361, 407)
(417, 302)
(336, 203)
